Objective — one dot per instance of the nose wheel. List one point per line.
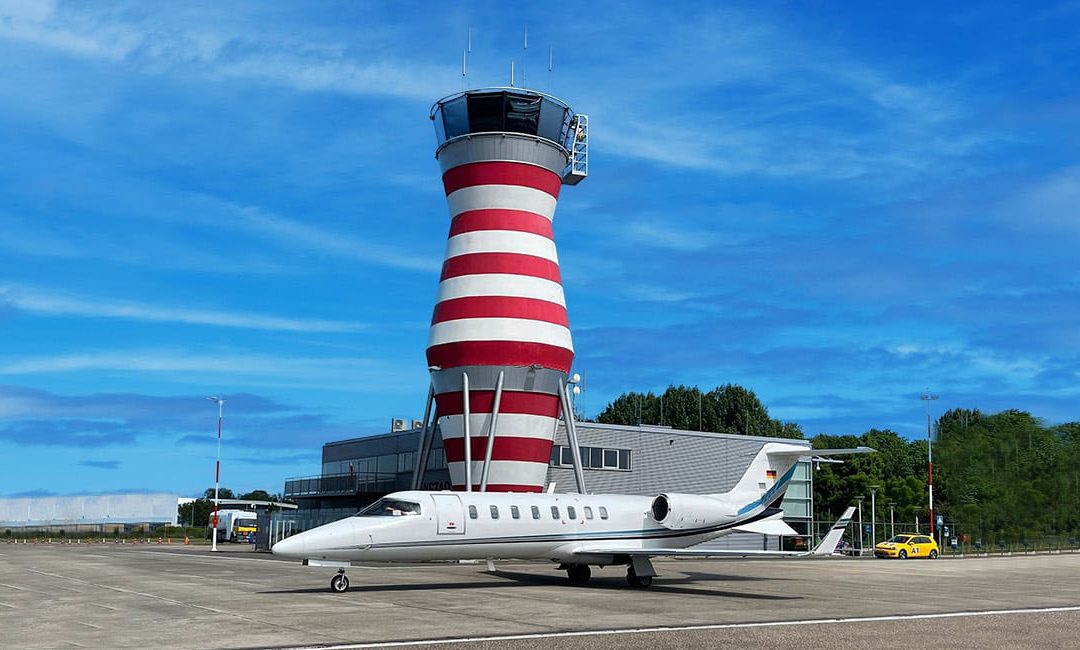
(339, 583)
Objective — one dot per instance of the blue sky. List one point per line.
(834, 206)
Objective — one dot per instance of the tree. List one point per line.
(257, 495)
(725, 409)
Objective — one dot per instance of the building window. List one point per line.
(514, 512)
(554, 512)
(588, 512)
(406, 461)
(494, 511)
(437, 460)
(603, 512)
(592, 458)
(472, 512)
(570, 512)
(535, 512)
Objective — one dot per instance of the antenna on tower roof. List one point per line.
(511, 72)
(465, 56)
(551, 65)
(524, 55)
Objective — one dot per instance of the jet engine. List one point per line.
(682, 511)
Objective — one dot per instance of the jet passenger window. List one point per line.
(535, 512)
(472, 512)
(588, 512)
(390, 508)
(603, 512)
(514, 512)
(494, 512)
(554, 512)
(570, 512)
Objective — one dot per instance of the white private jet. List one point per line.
(576, 530)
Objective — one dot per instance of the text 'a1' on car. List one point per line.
(908, 545)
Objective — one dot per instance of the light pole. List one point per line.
(861, 538)
(217, 468)
(892, 528)
(927, 397)
(873, 515)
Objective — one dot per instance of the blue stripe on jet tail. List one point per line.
(773, 491)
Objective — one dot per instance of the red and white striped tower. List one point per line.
(500, 348)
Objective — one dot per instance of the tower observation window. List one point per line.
(503, 111)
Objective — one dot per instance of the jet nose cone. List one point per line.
(290, 546)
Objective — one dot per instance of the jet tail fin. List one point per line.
(828, 543)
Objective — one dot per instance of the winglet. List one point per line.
(829, 542)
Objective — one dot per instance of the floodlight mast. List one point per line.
(217, 469)
(927, 397)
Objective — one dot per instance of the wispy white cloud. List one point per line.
(215, 44)
(289, 232)
(36, 301)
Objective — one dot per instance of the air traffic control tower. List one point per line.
(499, 349)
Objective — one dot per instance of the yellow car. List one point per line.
(907, 545)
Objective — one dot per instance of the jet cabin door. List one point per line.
(450, 513)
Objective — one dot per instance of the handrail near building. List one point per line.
(341, 484)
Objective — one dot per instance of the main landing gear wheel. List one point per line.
(902, 555)
(579, 574)
(636, 581)
(339, 583)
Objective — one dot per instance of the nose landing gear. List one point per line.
(340, 582)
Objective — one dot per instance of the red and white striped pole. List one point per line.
(927, 397)
(217, 470)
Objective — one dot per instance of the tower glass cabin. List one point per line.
(499, 348)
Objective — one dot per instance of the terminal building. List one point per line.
(616, 459)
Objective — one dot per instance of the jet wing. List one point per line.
(686, 552)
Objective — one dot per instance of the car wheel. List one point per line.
(933, 554)
(902, 555)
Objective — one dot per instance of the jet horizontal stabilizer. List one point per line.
(808, 452)
(768, 527)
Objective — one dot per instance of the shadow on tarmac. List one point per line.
(516, 579)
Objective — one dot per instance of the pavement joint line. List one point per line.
(27, 589)
(96, 627)
(171, 601)
(8, 606)
(687, 628)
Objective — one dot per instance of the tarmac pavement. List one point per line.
(118, 596)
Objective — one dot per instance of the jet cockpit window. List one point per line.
(390, 508)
